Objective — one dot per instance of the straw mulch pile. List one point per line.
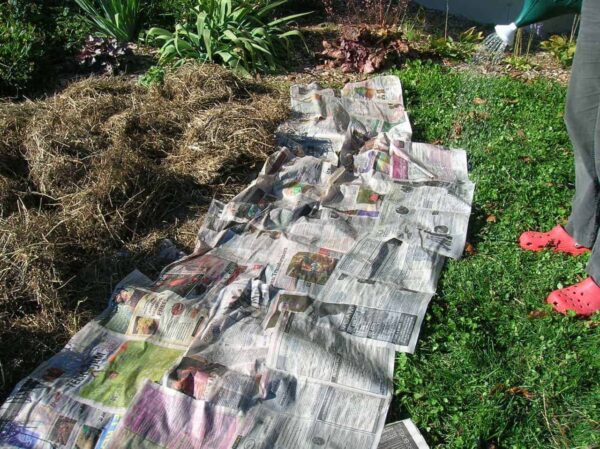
(92, 180)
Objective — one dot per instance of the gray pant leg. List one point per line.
(582, 117)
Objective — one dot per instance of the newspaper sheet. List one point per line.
(433, 216)
(375, 311)
(305, 414)
(280, 329)
(402, 435)
(393, 262)
(163, 418)
(36, 416)
(393, 320)
(301, 348)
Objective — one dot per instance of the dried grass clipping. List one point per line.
(92, 179)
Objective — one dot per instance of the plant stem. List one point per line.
(447, 14)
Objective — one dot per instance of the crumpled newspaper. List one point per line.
(280, 329)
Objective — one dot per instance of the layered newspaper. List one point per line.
(280, 329)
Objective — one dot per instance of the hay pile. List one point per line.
(91, 181)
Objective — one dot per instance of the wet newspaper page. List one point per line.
(393, 262)
(301, 348)
(433, 216)
(304, 413)
(402, 435)
(36, 416)
(164, 418)
(375, 311)
(392, 319)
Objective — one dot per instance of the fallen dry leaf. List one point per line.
(520, 391)
(496, 388)
(469, 249)
(537, 314)
(526, 159)
(479, 101)
(491, 219)
(457, 128)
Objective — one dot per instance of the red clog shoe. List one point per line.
(557, 239)
(583, 298)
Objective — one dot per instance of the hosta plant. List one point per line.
(117, 19)
(236, 33)
(461, 49)
(562, 48)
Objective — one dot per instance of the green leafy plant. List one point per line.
(519, 63)
(20, 47)
(411, 31)
(461, 49)
(562, 48)
(235, 33)
(154, 75)
(118, 19)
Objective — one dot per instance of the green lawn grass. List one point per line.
(494, 367)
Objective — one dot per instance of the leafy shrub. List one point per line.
(234, 33)
(37, 40)
(118, 19)
(20, 46)
(562, 48)
(461, 49)
(69, 31)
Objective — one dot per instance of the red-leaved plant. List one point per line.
(363, 49)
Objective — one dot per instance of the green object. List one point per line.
(240, 34)
(114, 18)
(537, 10)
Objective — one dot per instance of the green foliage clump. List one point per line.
(521, 63)
(495, 367)
(235, 33)
(154, 75)
(460, 49)
(20, 46)
(118, 19)
(562, 48)
(36, 38)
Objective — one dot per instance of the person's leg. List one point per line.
(593, 267)
(581, 118)
(583, 102)
(583, 123)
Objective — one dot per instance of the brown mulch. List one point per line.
(94, 178)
